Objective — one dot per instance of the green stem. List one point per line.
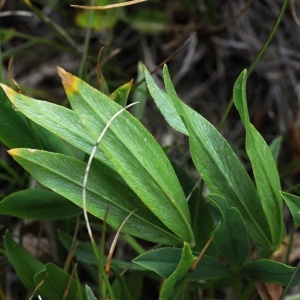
(55, 28)
(290, 244)
(247, 291)
(237, 286)
(258, 57)
(133, 243)
(86, 41)
(290, 282)
(14, 176)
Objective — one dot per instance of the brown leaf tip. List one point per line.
(69, 81)
(8, 91)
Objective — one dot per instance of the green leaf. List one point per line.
(64, 175)
(135, 154)
(148, 21)
(38, 204)
(17, 131)
(263, 165)
(119, 286)
(293, 203)
(164, 262)
(89, 293)
(85, 254)
(140, 93)
(275, 147)
(202, 220)
(221, 170)
(165, 104)
(25, 265)
(265, 270)
(56, 284)
(174, 283)
(231, 236)
(120, 95)
(135, 284)
(61, 121)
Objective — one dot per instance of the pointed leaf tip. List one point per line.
(12, 152)
(69, 81)
(8, 91)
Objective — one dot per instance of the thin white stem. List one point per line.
(193, 189)
(19, 13)
(132, 2)
(88, 166)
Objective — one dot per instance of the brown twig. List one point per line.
(168, 58)
(114, 243)
(10, 74)
(201, 254)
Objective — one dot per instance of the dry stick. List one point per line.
(37, 287)
(294, 13)
(132, 2)
(201, 254)
(174, 53)
(73, 246)
(99, 73)
(10, 74)
(88, 169)
(52, 25)
(168, 58)
(67, 290)
(114, 243)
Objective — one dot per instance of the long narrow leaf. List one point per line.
(221, 170)
(165, 104)
(17, 131)
(164, 262)
(293, 203)
(231, 235)
(134, 153)
(57, 284)
(61, 121)
(38, 204)
(25, 265)
(263, 165)
(266, 270)
(64, 175)
(174, 283)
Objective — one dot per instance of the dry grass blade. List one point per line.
(37, 288)
(89, 166)
(132, 2)
(114, 243)
(294, 13)
(66, 292)
(10, 74)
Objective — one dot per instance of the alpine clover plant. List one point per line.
(131, 172)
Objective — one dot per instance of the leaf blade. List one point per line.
(293, 203)
(221, 170)
(134, 153)
(25, 265)
(64, 175)
(263, 165)
(165, 104)
(231, 236)
(37, 204)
